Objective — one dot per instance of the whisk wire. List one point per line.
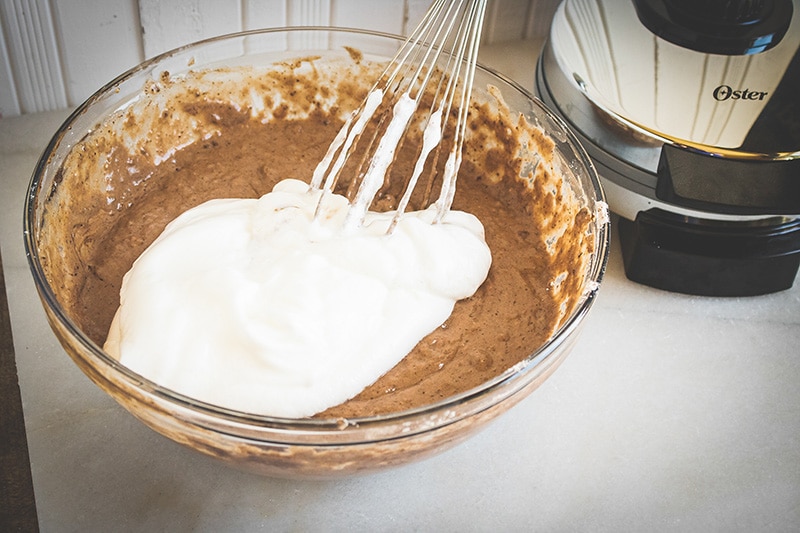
(404, 81)
(471, 40)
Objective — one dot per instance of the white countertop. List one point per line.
(672, 413)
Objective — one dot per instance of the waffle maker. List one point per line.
(690, 110)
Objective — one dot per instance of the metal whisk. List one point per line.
(452, 28)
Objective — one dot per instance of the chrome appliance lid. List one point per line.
(630, 93)
(673, 93)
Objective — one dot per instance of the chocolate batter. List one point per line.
(202, 137)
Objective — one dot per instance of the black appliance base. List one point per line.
(665, 251)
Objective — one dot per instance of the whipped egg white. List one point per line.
(255, 305)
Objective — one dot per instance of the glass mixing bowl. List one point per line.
(303, 447)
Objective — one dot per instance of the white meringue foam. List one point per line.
(252, 305)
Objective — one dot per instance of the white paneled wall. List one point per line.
(55, 53)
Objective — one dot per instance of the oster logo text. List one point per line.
(726, 92)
